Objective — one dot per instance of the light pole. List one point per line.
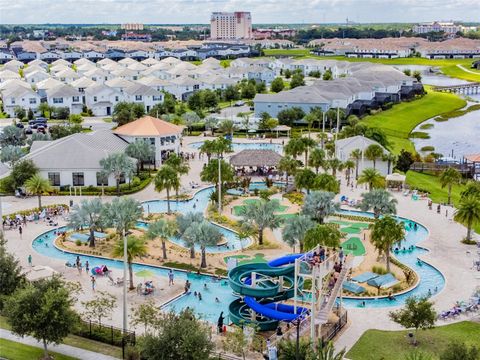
(125, 309)
(219, 184)
(323, 129)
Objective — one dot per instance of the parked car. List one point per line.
(28, 131)
(41, 129)
(239, 103)
(19, 125)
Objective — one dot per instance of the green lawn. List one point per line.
(457, 72)
(16, 351)
(393, 345)
(399, 121)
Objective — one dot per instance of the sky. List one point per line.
(263, 11)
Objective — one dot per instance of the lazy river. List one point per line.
(430, 278)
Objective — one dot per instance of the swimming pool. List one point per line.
(236, 146)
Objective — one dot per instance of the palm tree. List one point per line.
(183, 222)
(261, 215)
(450, 177)
(11, 154)
(327, 352)
(119, 165)
(246, 231)
(140, 150)
(295, 229)
(294, 147)
(163, 229)
(308, 143)
(322, 234)
(227, 127)
(348, 165)
(88, 213)
(326, 182)
(204, 234)
(210, 124)
(468, 213)
(371, 177)
(122, 213)
(357, 156)
(374, 152)
(380, 201)
(385, 233)
(317, 159)
(166, 179)
(179, 165)
(39, 186)
(305, 179)
(390, 159)
(207, 148)
(334, 165)
(289, 166)
(319, 204)
(135, 248)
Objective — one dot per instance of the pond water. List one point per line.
(431, 78)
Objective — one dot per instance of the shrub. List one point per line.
(419, 135)
(377, 269)
(426, 126)
(78, 243)
(428, 148)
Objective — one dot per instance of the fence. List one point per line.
(330, 331)
(105, 333)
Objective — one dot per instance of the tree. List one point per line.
(348, 165)
(164, 229)
(322, 234)
(179, 165)
(385, 233)
(190, 118)
(43, 310)
(287, 349)
(12, 135)
(195, 101)
(125, 112)
(448, 178)
(305, 179)
(294, 147)
(374, 152)
(287, 73)
(210, 172)
(21, 172)
(135, 248)
(208, 148)
(119, 165)
(317, 159)
(11, 154)
(261, 214)
(380, 201)
(210, 99)
(289, 166)
(88, 213)
(458, 350)
(203, 234)
(260, 87)
(417, 75)
(297, 80)
(418, 313)
(76, 119)
(183, 223)
(248, 91)
(315, 73)
(61, 112)
(100, 307)
(326, 182)
(308, 144)
(327, 75)
(289, 115)
(122, 213)
(11, 274)
(210, 124)
(356, 155)
(231, 93)
(39, 186)
(295, 230)
(142, 151)
(472, 188)
(178, 336)
(372, 177)
(277, 85)
(468, 213)
(227, 127)
(19, 112)
(146, 314)
(167, 179)
(334, 165)
(45, 109)
(319, 204)
(236, 341)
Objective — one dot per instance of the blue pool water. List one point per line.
(236, 146)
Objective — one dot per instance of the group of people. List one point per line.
(18, 221)
(146, 288)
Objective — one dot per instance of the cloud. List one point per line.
(263, 11)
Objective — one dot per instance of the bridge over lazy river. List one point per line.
(465, 89)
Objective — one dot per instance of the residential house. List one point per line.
(6, 56)
(183, 86)
(139, 93)
(66, 76)
(36, 76)
(101, 99)
(19, 96)
(37, 62)
(8, 74)
(65, 96)
(49, 56)
(93, 55)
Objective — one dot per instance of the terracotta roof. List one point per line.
(148, 126)
(473, 157)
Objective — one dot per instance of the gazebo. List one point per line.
(282, 128)
(395, 180)
(261, 161)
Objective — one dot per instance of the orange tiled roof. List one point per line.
(148, 126)
(473, 157)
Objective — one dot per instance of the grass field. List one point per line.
(457, 72)
(393, 345)
(16, 351)
(399, 121)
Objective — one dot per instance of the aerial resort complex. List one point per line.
(297, 190)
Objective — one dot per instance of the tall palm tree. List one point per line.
(374, 152)
(308, 143)
(385, 233)
(119, 165)
(135, 248)
(468, 213)
(207, 148)
(261, 215)
(295, 229)
(142, 151)
(319, 204)
(39, 186)
(326, 182)
(122, 214)
(210, 124)
(183, 222)
(372, 177)
(294, 147)
(390, 159)
(227, 127)
(164, 229)
(317, 159)
(448, 178)
(334, 165)
(166, 179)
(88, 213)
(204, 234)
(327, 352)
(289, 166)
(380, 201)
(348, 165)
(305, 179)
(179, 165)
(356, 155)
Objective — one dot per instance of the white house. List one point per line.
(65, 96)
(82, 83)
(98, 75)
(37, 62)
(101, 99)
(36, 76)
(19, 96)
(8, 74)
(139, 93)
(67, 76)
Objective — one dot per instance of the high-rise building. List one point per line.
(132, 26)
(231, 26)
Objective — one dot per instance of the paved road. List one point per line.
(61, 349)
(233, 111)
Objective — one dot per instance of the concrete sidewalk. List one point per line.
(61, 349)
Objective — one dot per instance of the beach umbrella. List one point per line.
(144, 273)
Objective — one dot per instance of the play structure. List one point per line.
(265, 289)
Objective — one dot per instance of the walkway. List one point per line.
(61, 349)
(468, 70)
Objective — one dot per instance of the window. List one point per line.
(32, 101)
(122, 179)
(95, 98)
(102, 179)
(12, 101)
(78, 179)
(157, 98)
(54, 178)
(58, 100)
(138, 97)
(76, 99)
(116, 98)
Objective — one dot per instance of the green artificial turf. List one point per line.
(356, 246)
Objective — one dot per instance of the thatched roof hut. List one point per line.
(255, 158)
